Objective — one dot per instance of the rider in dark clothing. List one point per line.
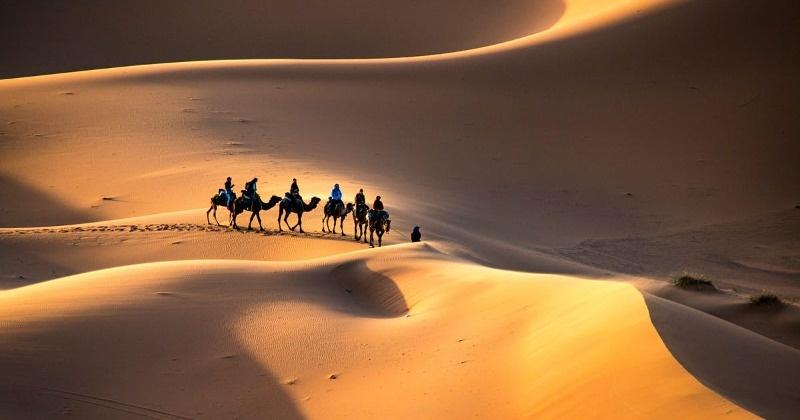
(378, 204)
(229, 190)
(360, 199)
(250, 191)
(294, 190)
(378, 213)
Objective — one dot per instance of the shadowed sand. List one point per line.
(251, 29)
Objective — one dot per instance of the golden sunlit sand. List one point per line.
(563, 167)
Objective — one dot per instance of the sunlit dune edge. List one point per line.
(580, 16)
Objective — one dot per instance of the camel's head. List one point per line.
(275, 200)
(348, 208)
(314, 201)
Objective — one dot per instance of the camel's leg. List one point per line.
(286, 219)
(380, 238)
(250, 225)
(335, 219)
(209, 211)
(258, 216)
(300, 222)
(280, 214)
(341, 226)
(235, 225)
(371, 241)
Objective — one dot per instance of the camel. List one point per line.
(218, 200)
(360, 222)
(258, 205)
(338, 212)
(289, 206)
(379, 223)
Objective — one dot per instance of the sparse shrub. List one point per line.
(687, 281)
(766, 299)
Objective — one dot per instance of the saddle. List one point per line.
(377, 216)
(294, 200)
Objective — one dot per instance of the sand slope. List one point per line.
(217, 339)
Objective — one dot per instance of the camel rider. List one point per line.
(229, 190)
(294, 190)
(360, 199)
(336, 195)
(250, 191)
(377, 206)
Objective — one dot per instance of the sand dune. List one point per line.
(419, 328)
(568, 141)
(205, 30)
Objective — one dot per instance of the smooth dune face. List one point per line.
(635, 137)
(85, 35)
(456, 339)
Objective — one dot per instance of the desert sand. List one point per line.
(565, 160)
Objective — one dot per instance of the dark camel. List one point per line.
(338, 212)
(378, 223)
(219, 201)
(289, 206)
(258, 205)
(360, 222)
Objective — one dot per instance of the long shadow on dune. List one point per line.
(373, 293)
(149, 360)
(24, 265)
(150, 357)
(23, 205)
(753, 371)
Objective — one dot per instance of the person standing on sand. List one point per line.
(416, 236)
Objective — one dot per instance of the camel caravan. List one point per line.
(375, 219)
